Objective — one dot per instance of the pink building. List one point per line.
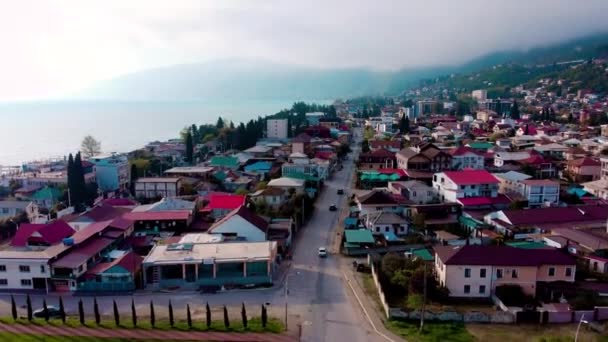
(476, 271)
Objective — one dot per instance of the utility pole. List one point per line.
(423, 300)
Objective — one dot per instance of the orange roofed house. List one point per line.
(476, 271)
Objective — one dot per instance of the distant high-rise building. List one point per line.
(276, 128)
(479, 94)
(499, 106)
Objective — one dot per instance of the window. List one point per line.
(24, 268)
(498, 273)
(568, 272)
(467, 273)
(42, 269)
(377, 229)
(482, 273)
(514, 273)
(482, 289)
(3, 282)
(2, 268)
(387, 229)
(551, 271)
(26, 282)
(414, 193)
(467, 289)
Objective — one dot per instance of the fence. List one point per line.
(387, 309)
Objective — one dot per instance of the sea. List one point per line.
(52, 129)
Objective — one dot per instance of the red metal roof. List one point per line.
(48, 233)
(119, 202)
(475, 201)
(130, 261)
(225, 201)
(557, 215)
(502, 256)
(384, 143)
(79, 255)
(586, 161)
(246, 214)
(471, 177)
(158, 215)
(462, 150)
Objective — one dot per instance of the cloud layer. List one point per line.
(52, 47)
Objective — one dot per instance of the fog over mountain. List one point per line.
(251, 79)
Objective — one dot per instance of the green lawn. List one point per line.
(254, 324)
(432, 332)
(7, 337)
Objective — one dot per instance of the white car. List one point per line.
(322, 252)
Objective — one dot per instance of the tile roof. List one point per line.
(462, 150)
(376, 197)
(471, 177)
(384, 143)
(49, 233)
(302, 138)
(158, 215)
(379, 153)
(586, 161)
(80, 254)
(119, 202)
(247, 215)
(502, 256)
(225, 201)
(557, 214)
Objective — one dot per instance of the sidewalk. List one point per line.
(371, 310)
(143, 334)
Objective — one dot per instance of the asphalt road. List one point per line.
(319, 301)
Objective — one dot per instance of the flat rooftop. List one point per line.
(189, 253)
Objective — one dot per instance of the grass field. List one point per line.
(533, 333)
(432, 332)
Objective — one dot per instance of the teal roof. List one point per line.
(259, 166)
(423, 254)
(358, 236)
(481, 145)
(526, 244)
(350, 221)
(579, 192)
(47, 193)
(224, 161)
(469, 221)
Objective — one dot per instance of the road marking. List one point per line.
(369, 319)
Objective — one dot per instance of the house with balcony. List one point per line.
(378, 159)
(220, 204)
(414, 191)
(379, 200)
(192, 265)
(271, 197)
(599, 188)
(390, 145)
(467, 187)
(539, 192)
(585, 169)
(167, 215)
(157, 187)
(241, 224)
(385, 222)
(476, 271)
(424, 157)
(466, 158)
(9, 208)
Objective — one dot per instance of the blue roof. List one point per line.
(580, 192)
(350, 221)
(259, 166)
(390, 236)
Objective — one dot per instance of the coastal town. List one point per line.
(496, 215)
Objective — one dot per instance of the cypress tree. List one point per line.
(220, 123)
(515, 111)
(116, 314)
(188, 316)
(61, 310)
(226, 320)
(264, 316)
(171, 321)
(152, 316)
(133, 178)
(208, 314)
(133, 313)
(13, 308)
(45, 310)
(81, 311)
(96, 311)
(28, 302)
(244, 316)
(71, 178)
(189, 148)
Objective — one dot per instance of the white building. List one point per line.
(466, 158)
(479, 94)
(454, 185)
(157, 187)
(277, 128)
(540, 192)
(599, 187)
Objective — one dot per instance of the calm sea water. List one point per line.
(33, 130)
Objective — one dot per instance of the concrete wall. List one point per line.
(560, 273)
(380, 293)
(498, 317)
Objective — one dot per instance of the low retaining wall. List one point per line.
(380, 293)
(498, 317)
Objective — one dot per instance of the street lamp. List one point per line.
(582, 320)
(287, 294)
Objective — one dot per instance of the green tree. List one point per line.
(365, 146)
(61, 309)
(171, 319)
(515, 115)
(244, 315)
(208, 315)
(13, 308)
(189, 148)
(81, 311)
(116, 313)
(220, 123)
(28, 302)
(90, 146)
(96, 312)
(404, 124)
(261, 185)
(133, 313)
(152, 314)
(133, 178)
(188, 316)
(391, 263)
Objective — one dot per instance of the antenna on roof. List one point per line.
(581, 211)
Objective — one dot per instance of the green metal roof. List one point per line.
(481, 145)
(358, 236)
(47, 193)
(224, 161)
(526, 244)
(423, 254)
(469, 221)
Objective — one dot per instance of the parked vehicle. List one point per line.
(322, 252)
(53, 312)
(333, 207)
(340, 191)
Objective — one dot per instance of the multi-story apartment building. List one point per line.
(277, 128)
(455, 185)
(157, 187)
(112, 171)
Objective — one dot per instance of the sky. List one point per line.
(54, 47)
